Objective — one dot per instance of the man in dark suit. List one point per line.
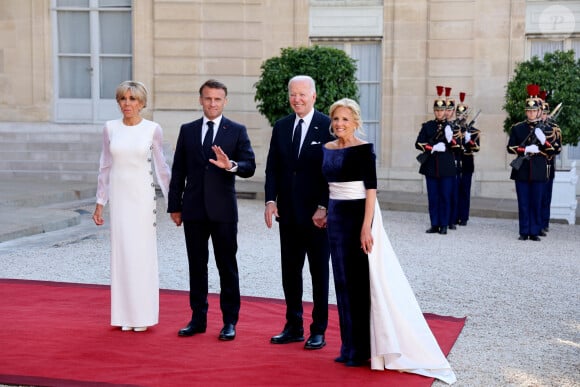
(210, 152)
(297, 195)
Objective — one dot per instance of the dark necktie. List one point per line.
(296, 139)
(208, 139)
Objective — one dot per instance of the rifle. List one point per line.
(518, 161)
(473, 120)
(554, 114)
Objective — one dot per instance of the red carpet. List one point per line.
(58, 334)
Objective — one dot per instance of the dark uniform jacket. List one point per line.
(535, 166)
(438, 164)
(469, 148)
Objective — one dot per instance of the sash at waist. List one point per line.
(347, 190)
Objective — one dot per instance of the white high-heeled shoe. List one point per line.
(126, 329)
(140, 329)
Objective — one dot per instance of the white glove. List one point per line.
(467, 136)
(532, 149)
(439, 147)
(448, 133)
(540, 136)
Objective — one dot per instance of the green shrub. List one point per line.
(559, 74)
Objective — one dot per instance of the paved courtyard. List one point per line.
(521, 299)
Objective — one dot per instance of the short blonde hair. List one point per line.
(354, 108)
(137, 89)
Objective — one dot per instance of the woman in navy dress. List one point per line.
(379, 316)
(350, 159)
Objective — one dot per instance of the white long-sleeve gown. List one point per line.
(126, 182)
(400, 337)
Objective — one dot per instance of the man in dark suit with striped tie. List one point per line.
(209, 154)
(296, 194)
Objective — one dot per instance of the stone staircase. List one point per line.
(47, 151)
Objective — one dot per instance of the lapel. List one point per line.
(312, 136)
(196, 132)
(222, 132)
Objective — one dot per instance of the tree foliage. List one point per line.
(332, 69)
(559, 74)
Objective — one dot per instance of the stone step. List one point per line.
(26, 193)
(53, 152)
(48, 127)
(50, 155)
(48, 175)
(50, 146)
(51, 137)
(48, 165)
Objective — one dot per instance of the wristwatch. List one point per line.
(321, 208)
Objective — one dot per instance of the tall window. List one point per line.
(368, 74)
(93, 54)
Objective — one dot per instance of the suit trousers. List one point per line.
(464, 199)
(454, 199)
(225, 246)
(547, 202)
(296, 242)
(530, 206)
(439, 197)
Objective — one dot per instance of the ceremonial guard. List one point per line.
(554, 136)
(470, 138)
(530, 169)
(452, 121)
(435, 141)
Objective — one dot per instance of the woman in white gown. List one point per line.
(379, 316)
(132, 152)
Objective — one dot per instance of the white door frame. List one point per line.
(82, 110)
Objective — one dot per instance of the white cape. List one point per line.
(400, 337)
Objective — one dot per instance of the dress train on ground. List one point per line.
(400, 337)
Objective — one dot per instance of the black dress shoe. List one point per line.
(543, 233)
(523, 237)
(191, 329)
(535, 238)
(288, 335)
(341, 359)
(432, 230)
(315, 342)
(443, 230)
(228, 332)
(452, 227)
(462, 222)
(546, 229)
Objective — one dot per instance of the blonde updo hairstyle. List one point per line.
(354, 108)
(137, 89)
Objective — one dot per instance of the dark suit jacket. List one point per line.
(198, 187)
(298, 188)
